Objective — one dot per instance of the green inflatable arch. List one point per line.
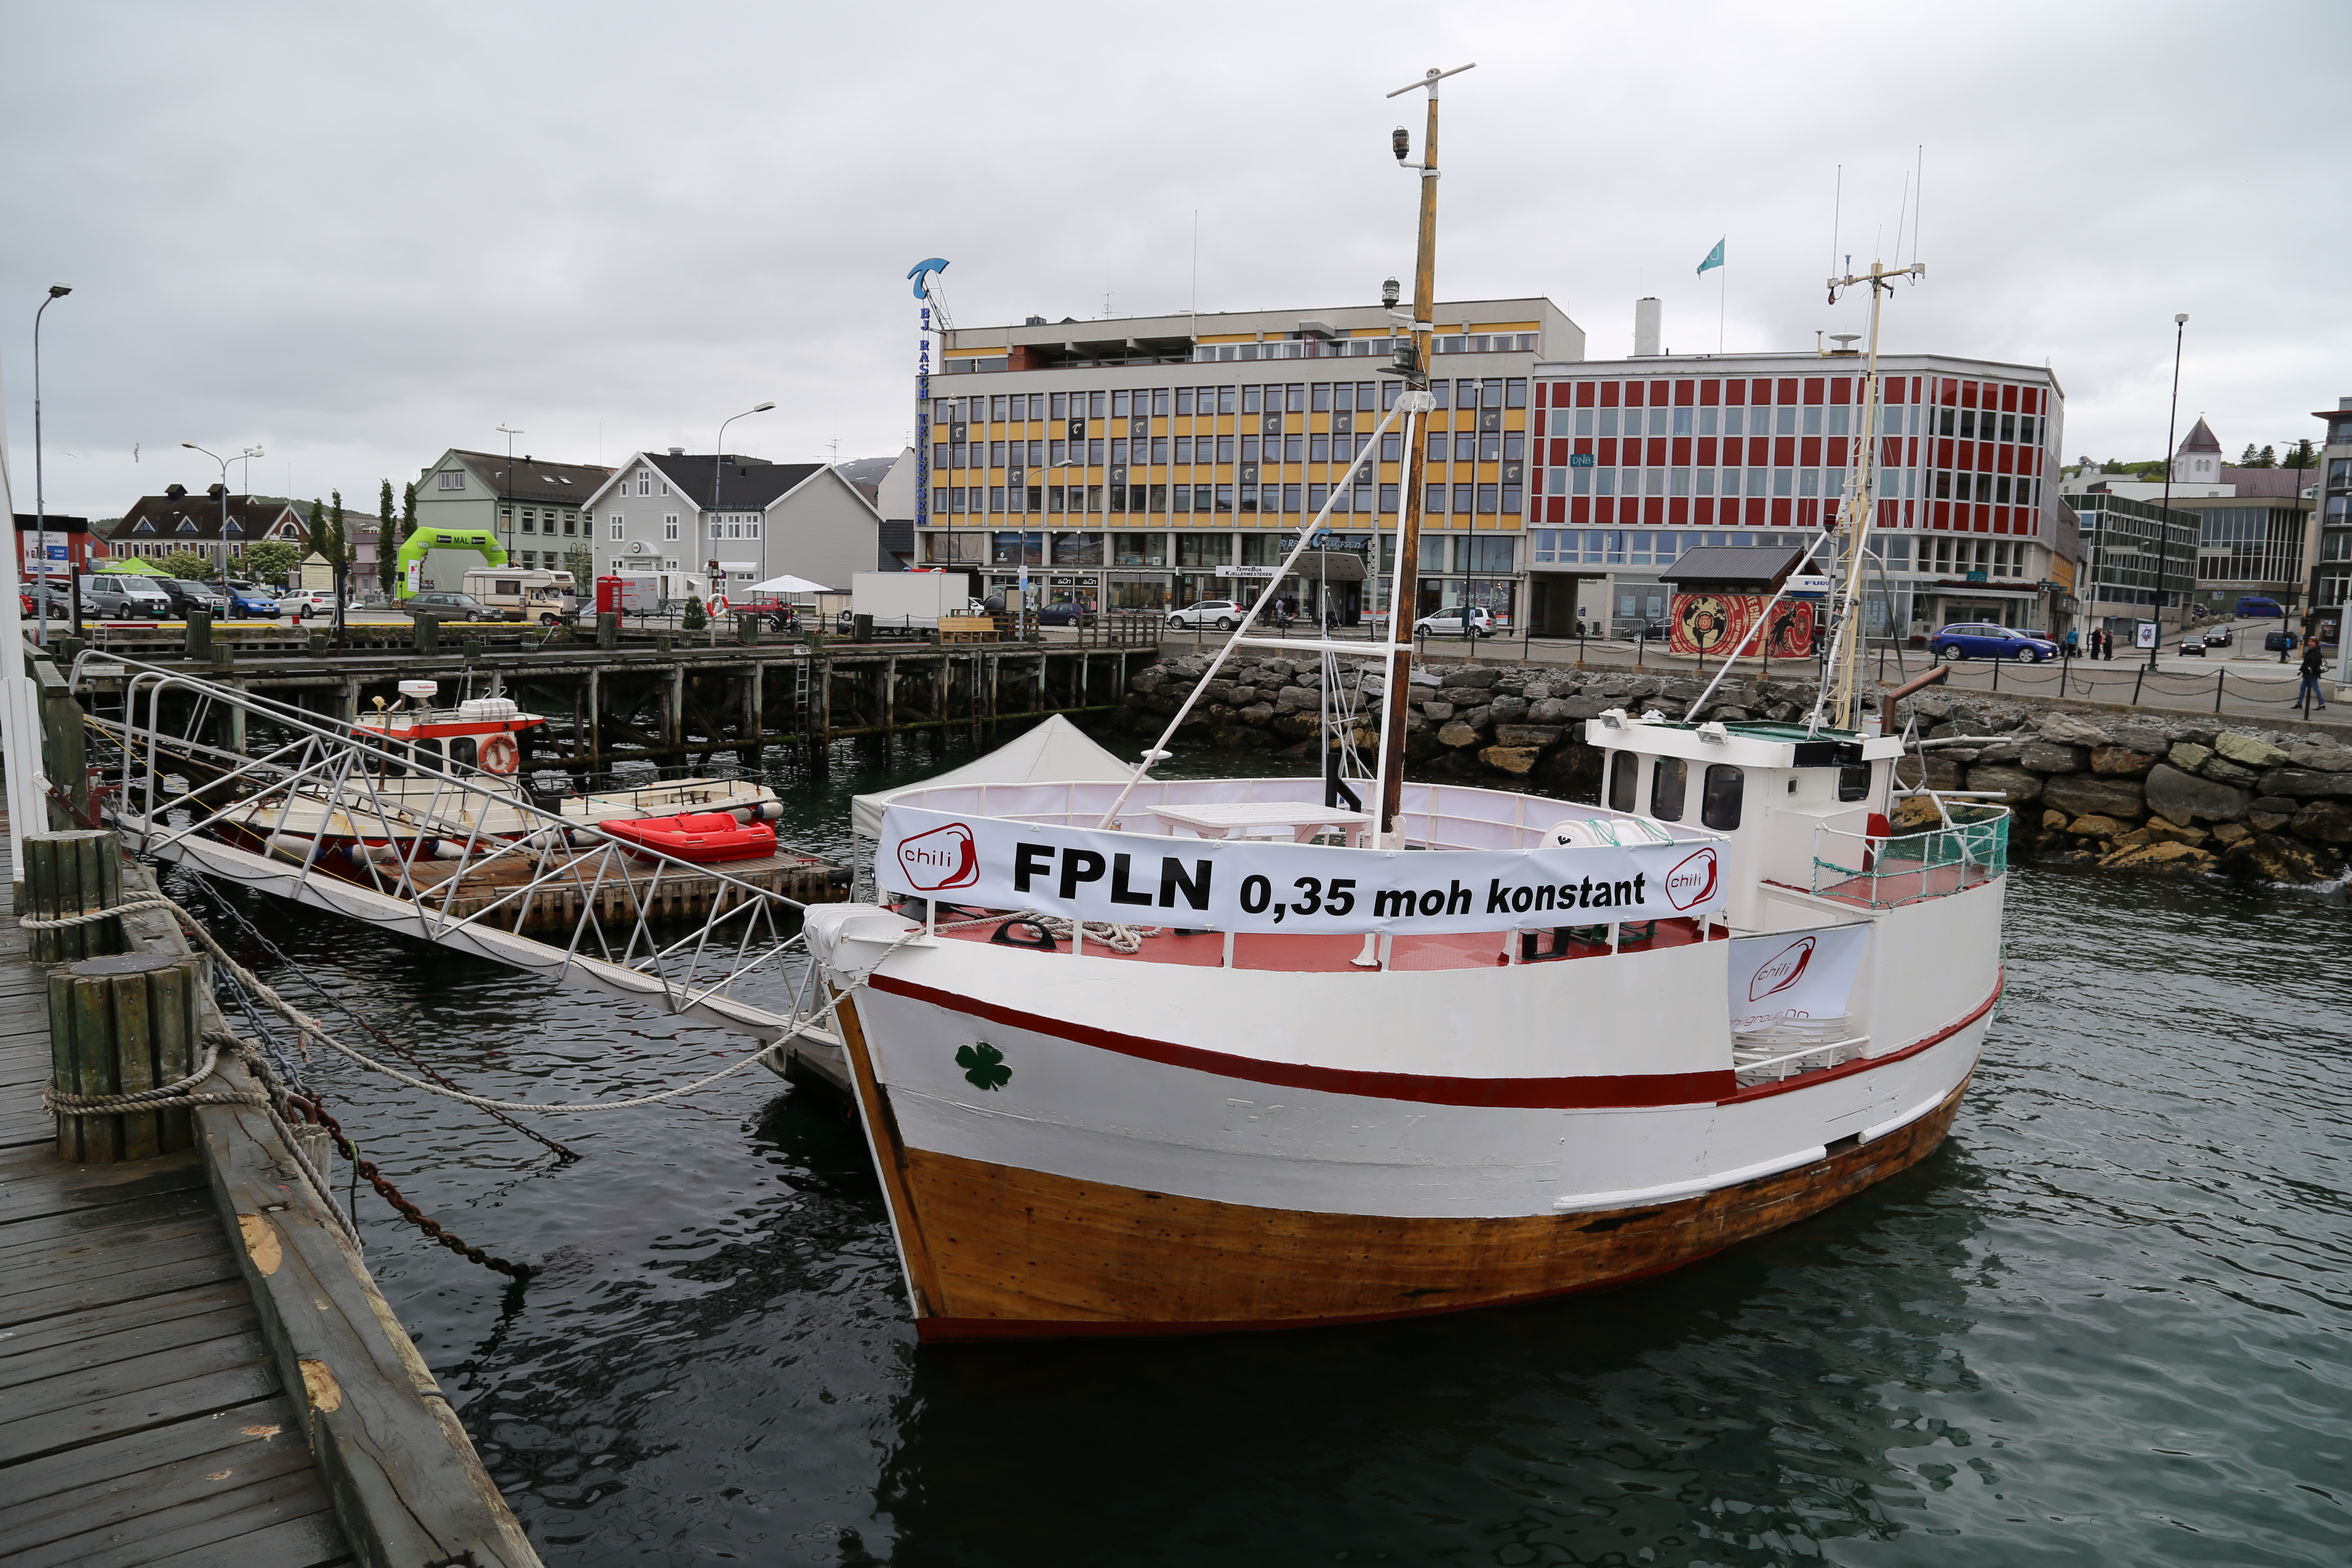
(427, 539)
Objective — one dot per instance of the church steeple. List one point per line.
(2199, 461)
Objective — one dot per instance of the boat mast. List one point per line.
(1841, 689)
(1404, 584)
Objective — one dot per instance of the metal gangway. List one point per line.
(748, 937)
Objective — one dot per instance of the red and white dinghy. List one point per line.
(704, 839)
(1535, 1048)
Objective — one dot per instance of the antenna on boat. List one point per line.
(1841, 678)
(1413, 365)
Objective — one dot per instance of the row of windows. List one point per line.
(532, 523)
(1272, 397)
(1186, 451)
(1311, 348)
(2001, 489)
(948, 500)
(1815, 419)
(1985, 397)
(1938, 553)
(1482, 555)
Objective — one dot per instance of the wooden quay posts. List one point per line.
(662, 695)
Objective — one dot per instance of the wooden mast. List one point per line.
(1404, 592)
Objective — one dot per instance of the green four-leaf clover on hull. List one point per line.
(983, 1065)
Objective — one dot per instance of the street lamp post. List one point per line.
(505, 501)
(217, 457)
(718, 480)
(2164, 523)
(40, 498)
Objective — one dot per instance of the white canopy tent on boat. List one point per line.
(1055, 751)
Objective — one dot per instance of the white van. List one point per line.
(534, 594)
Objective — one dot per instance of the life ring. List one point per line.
(717, 605)
(499, 755)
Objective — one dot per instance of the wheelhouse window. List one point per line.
(1624, 769)
(1720, 799)
(1668, 782)
(1853, 781)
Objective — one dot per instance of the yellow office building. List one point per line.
(1151, 462)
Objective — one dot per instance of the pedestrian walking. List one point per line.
(2070, 635)
(2314, 661)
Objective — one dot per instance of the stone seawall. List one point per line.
(2134, 791)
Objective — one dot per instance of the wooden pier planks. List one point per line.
(142, 1419)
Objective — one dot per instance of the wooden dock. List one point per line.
(195, 1366)
(673, 894)
(143, 1418)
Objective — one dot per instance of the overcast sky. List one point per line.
(357, 235)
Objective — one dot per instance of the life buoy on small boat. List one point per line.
(499, 755)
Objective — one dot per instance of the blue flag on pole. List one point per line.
(1713, 258)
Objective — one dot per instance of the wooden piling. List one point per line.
(72, 873)
(119, 1025)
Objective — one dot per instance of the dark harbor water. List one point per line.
(2109, 1322)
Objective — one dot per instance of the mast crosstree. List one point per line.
(1842, 678)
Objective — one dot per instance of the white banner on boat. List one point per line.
(1251, 885)
(1795, 975)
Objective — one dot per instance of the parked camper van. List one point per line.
(521, 594)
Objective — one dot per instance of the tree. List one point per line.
(407, 527)
(2301, 455)
(2246, 458)
(2266, 459)
(384, 540)
(272, 558)
(582, 564)
(186, 563)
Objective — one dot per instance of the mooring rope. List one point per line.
(309, 1029)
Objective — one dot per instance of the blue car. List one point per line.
(246, 600)
(1981, 639)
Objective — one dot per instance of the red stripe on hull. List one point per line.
(1592, 1093)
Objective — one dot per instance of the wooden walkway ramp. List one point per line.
(143, 1418)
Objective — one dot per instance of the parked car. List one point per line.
(104, 599)
(2268, 609)
(128, 595)
(249, 599)
(2278, 642)
(2193, 645)
(2220, 636)
(433, 604)
(1656, 631)
(186, 594)
(1982, 639)
(1222, 614)
(306, 602)
(1462, 621)
(1064, 613)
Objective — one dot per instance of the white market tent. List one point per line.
(787, 584)
(1055, 752)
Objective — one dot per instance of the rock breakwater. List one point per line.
(2131, 791)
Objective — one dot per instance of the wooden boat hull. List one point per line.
(996, 1251)
(1038, 1256)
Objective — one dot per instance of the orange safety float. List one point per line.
(499, 755)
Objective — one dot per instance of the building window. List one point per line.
(669, 526)
(617, 528)
(645, 483)
(453, 479)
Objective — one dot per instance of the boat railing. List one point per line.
(1883, 871)
(1766, 1057)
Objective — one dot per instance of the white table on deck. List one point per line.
(1221, 820)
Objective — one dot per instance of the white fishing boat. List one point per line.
(1142, 1055)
